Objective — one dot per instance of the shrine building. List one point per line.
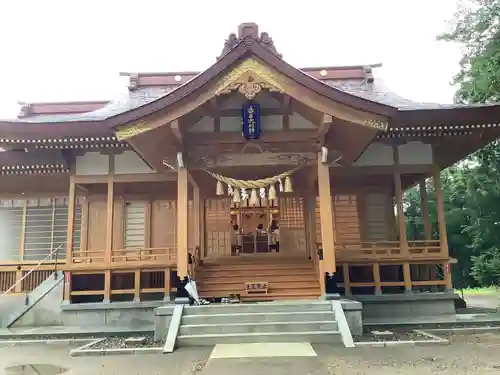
(256, 178)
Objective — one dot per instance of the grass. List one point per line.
(483, 290)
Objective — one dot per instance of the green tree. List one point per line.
(471, 189)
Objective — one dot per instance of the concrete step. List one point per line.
(314, 337)
(262, 308)
(262, 327)
(270, 317)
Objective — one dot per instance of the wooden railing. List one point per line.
(163, 255)
(388, 250)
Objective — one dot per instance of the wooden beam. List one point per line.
(127, 178)
(176, 130)
(325, 125)
(326, 212)
(182, 223)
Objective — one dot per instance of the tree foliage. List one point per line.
(471, 189)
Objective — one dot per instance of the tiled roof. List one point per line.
(374, 91)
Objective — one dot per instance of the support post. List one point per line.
(326, 212)
(196, 215)
(443, 237)
(69, 239)
(424, 202)
(109, 238)
(182, 223)
(403, 242)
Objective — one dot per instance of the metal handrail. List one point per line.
(30, 271)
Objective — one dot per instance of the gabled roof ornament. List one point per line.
(250, 33)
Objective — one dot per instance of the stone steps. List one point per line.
(262, 327)
(243, 318)
(293, 321)
(321, 337)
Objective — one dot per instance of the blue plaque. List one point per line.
(251, 120)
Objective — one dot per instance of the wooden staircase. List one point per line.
(289, 278)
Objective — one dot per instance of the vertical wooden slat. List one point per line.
(67, 287)
(376, 278)
(182, 222)
(137, 285)
(109, 221)
(407, 277)
(325, 205)
(167, 284)
(107, 286)
(23, 230)
(347, 279)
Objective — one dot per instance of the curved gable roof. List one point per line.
(246, 48)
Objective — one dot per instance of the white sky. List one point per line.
(56, 50)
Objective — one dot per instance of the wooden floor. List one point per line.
(287, 277)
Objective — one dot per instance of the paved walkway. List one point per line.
(72, 331)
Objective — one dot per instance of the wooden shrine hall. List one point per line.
(256, 178)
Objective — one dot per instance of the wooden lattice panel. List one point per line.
(375, 218)
(292, 225)
(217, 227)
(346, 219)
(346, 223)
(164, 224)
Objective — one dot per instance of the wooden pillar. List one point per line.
(424, 202)
(196, 215)
(202, 228)
(182, 223)
(443, 237)
(403, 242)
(166, 297)
(376, 278)
(71, 221)
(326, 212)
(109, 238)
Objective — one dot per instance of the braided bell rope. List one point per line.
(253, 184)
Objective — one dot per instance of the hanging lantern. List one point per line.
(230, 190)
(236, 196)
(254, 199)
(272, 192)
(220, 188)
(288, 185)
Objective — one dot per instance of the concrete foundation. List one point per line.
(353, 311)
(133, 314)
(407, 305)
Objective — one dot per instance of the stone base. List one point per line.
(330, 297)
(353, 311)
(407, 305)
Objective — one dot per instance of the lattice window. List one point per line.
(217, 226)
(31, 229)
(292, 213)
(346, 219)
(134, 235)
(376, 215)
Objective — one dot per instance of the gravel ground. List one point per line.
(398, 335)
(467, 354)
(41, 337)
(119, 343)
